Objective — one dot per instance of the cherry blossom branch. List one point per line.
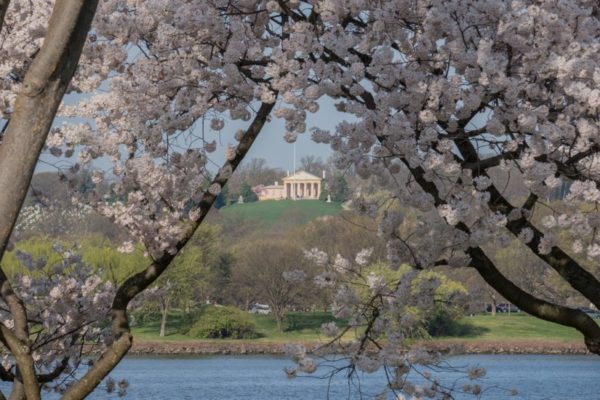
(577, 276)
(573, 273)
(570, 270)
(44, 85)
(140, 281)
(3, 7)
(56, 372)
(540, 308)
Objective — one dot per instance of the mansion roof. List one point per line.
(302, 176)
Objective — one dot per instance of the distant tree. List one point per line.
(254, 172)
(324, 193)
(199, 273)
(247, 194)
(339, 188)
(275, 272)
(257, 172)
(312, 165)
(220, 278)
(83, 182)
(342, 234)
(335, 186)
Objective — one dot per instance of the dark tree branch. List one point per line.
(570, 270)
(3, 7)
(534, 306)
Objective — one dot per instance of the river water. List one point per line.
(535, 377)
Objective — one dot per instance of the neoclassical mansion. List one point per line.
(298, 186)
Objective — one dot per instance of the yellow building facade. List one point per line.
(299, 186)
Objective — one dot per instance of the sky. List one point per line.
(270, 144)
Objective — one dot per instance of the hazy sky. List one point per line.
(269, 145)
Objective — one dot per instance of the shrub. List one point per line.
(188, 319)
(443, 321)
(146, 316)
(223, 322)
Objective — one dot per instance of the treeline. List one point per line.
(263, 265)
(237, 262)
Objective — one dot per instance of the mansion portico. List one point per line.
(298, 186)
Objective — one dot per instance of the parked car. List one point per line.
(503, 308)
(258, 308)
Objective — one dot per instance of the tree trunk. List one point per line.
(164, 312)
(530, 304)
(279, 315)
(494, 304)
(40, 95)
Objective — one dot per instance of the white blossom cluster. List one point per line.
(68, 306)
(383, 312)
(56, 218)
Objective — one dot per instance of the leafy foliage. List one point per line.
(223, 322)
(443, 321)
(247, 194)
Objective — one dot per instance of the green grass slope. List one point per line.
(518, 326)
(273, 212)
(306, 327)
(297, 327)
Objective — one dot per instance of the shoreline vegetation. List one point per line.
(480, 334)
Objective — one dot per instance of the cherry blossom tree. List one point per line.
(452, 100)
(445, 93)
(443, 101)
(35, 78)
(163, 72)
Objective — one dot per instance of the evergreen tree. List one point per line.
(247, 194)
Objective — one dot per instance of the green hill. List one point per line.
(286, 212)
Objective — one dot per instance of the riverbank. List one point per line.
(480, 334)
(454, 346)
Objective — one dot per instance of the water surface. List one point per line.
(536, 377)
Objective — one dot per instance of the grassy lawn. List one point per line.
(517, 326)
(297, 327)
(306, 327)
(270, 212)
